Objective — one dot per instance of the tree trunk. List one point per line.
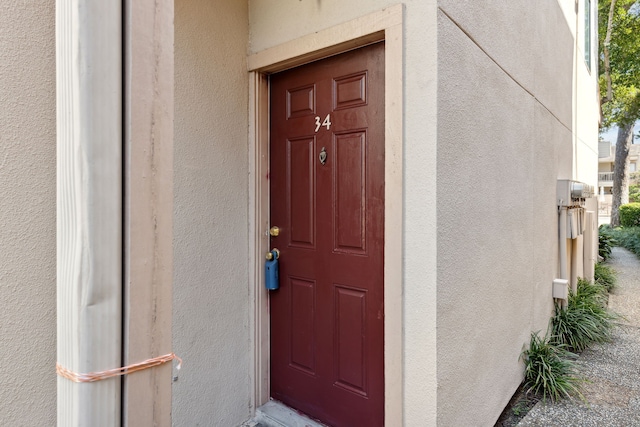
(621, 172)
(605, 50)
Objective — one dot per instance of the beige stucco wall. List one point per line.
(586, 111)
(273, 22)
(210, 289)
(486, 232)
(605, 167)
(505, 112)
(28, 214)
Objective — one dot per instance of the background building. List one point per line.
(606, 161)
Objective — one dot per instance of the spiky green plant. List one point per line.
(605, 275)
(606, 241)
(585, 320)
(550, 370)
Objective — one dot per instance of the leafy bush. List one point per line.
(605, 241)
(585, 320)
(634, 193)
(605, 276)
(550, 369)
(628, 238)
(630, 215)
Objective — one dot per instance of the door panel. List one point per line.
(349, 183)
(302, 320)
(327, 318)
(301, 185)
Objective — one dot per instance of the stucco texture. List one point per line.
(504, 138)
(587, 101)
(27, 214)
(210, 287)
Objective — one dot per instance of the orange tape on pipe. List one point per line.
(103, 375)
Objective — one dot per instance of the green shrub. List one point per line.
(604, 276)
(628, 238)
(550, 370)
(630, 215)
(634, 193)
(605, 241)
(585, 320)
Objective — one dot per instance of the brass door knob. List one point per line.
(274, 231)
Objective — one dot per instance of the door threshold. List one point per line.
(276, 414)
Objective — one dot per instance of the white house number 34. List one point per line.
(326, 122)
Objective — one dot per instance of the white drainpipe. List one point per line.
(89, 207)
(576, 250)
(589, 241)
(562, 249)
(563, 242)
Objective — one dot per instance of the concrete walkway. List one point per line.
(613, 369)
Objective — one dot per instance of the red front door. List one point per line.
(327, 198)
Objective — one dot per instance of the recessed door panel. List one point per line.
(303, 331)
(302, 190)
(350, 91)
(350, 189)
(301, 101)
(350, 339)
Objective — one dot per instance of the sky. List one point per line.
(612, 134)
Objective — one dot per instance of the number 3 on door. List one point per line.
(326, 122)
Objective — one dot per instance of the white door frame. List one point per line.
(387, 25)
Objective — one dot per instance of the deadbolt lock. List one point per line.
(270, 255)
(274, 231)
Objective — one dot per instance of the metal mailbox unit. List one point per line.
(571, 197)
(573, 193)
